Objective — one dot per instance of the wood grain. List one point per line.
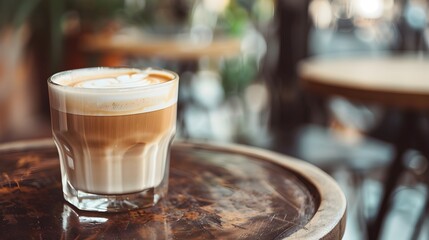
(215, 192)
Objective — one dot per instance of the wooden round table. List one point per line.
(392, 80)
(167, 48)
(215, 192)
(397, 81)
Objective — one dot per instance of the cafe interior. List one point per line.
(340, 84)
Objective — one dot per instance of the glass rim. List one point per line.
(51, 83)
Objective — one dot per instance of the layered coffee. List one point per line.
(113, 127)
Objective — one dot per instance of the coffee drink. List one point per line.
(113, 128)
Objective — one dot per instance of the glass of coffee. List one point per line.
(113, 128)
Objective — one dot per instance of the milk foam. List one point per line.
(121, 81)
(112, 91)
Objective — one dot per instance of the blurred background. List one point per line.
(237, 61)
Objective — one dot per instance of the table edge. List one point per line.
(366, 95)
(330, 219)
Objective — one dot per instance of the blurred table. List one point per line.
(216, 192)
(168, 48)
(398, 81)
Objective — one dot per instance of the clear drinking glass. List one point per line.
(113, 128)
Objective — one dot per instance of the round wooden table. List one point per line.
(215, 192)
(392, 80)
(398, 81)
(167, 48)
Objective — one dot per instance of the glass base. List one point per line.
(112, 203)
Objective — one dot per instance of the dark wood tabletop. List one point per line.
(215, 192)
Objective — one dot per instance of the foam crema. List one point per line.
(112, 91)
